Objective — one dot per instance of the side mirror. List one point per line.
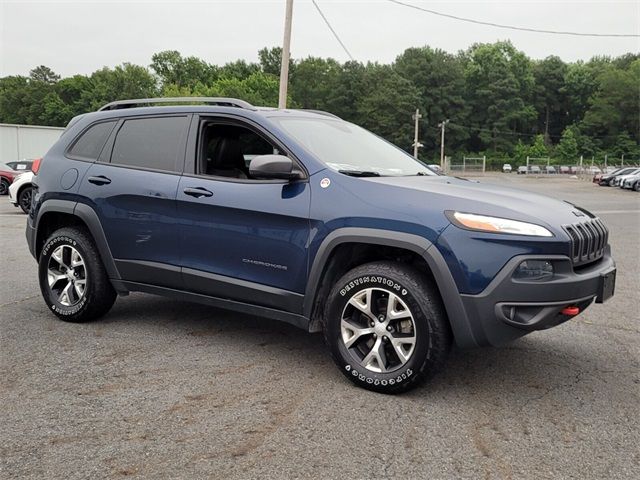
(272, 167)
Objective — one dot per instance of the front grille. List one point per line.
(588, 240)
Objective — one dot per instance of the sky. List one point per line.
(79, 37)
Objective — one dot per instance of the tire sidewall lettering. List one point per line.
(47, 250)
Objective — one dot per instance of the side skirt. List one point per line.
(291, 318)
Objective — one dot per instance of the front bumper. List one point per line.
(510, 308)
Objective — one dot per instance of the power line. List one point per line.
(332, 30)
(511, 27)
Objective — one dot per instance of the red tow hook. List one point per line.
(570, 311)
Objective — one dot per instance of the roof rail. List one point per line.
(221, 101)
(321, 112)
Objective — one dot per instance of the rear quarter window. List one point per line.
(89, 145)
(154, 143)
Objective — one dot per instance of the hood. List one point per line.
(450, 193)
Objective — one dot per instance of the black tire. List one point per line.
(98, 296)
(636, 187)
(4, 186)
(24, 198)
(431, 328)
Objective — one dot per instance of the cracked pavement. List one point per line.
(167, 389)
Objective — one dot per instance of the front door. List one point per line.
(242, 239)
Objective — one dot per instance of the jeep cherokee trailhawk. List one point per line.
(300, 216)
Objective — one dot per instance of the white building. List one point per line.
(18, 142)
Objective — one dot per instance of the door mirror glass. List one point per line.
(272, 167)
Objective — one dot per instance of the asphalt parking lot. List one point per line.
(166, 389)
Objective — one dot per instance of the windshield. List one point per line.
(350, 149)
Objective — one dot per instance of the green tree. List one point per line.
(311, 82)
(44, 74)
(386, 105)
(499, 88)
(614, 108)
(270, 60)
(439, 78)
(549, 96)
(568, 146)
(172, 68)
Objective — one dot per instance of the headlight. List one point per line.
(483, 223)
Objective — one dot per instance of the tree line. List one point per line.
(499, 102)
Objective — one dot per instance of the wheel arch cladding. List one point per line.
(55, 214)
(329, 265)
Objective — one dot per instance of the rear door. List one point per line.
(133, 190)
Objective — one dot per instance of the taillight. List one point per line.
(36, 165)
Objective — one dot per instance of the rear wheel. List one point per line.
(4, 186)
(72, 278)
(24, 198)
(386, 327)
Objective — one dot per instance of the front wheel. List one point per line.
(73, 280)
(4, 186)
(386, 327)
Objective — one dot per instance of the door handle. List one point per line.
(99, 180)
(197, 192)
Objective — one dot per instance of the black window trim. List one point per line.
(193, 151)
(180, 160)
(72, 143)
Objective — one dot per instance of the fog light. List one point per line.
(534, 270)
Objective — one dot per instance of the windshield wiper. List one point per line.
(359, 173)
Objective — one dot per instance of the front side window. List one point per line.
(91, 142)
(347, 148)
(155, 143)
(226, 150)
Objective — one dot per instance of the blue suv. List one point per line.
(302, 217)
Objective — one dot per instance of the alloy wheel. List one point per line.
(67, 275)
(378, 330)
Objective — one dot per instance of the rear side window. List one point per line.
(150, 142)
(90, 143)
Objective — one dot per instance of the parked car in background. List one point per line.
(506, 168)
(564, 169)
(21, 165)
(632, 182)
(535, 169)
(619, 179)
(6, 178)
(21, 191)
(550, 169)
(604, 180)
(522, 170)
(435, 167)
(593, 170)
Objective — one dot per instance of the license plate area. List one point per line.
(606, 286)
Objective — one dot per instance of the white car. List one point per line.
(632, 182)
(506, 168)
(615, 182)
(20, 191)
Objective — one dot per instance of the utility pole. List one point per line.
(416, 144)
(286, 47)
(442, 125)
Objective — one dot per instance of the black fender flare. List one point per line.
(458, 319)
(90, 218)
